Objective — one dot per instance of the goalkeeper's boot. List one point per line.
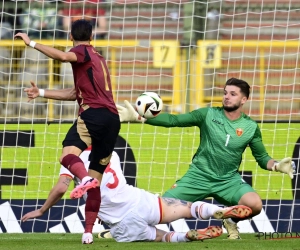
(105, 234)
(83, 187)
(238, 211)
(87, 238)
(232, 230)
(204, 234)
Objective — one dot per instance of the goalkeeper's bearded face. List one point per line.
(233, 98)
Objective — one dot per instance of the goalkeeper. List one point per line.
(225, 132)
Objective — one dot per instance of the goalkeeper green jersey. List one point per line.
(222, 141)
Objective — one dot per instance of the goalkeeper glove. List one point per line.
(286, 166)
(128, 113)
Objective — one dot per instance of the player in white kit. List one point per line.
(132, 213)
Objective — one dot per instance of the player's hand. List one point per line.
(128, 113)
(32, 92)
(31, 215)
(286, 166)
(24, 37)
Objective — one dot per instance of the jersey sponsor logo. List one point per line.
(239, 131)
(218, 122)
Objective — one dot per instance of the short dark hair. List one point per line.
(81, 30)
(243, 85)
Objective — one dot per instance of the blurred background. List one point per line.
(184, 50)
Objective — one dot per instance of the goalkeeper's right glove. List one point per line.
(286, 166)
(128, 113)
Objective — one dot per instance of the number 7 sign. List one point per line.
(164, 53)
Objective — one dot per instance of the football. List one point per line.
(148, 105)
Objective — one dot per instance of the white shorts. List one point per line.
(139, 223)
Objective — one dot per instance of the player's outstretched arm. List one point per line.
(47, 50)
(68, 94)
(31, 215)
(128, 113)
(33, 92)
(54, 196)
(286, 166)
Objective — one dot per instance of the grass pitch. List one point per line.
(49, 241)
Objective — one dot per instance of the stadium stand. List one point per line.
(149, 20)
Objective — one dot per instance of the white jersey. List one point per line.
(117, 197)
(130, 212)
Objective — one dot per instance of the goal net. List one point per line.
(183, 50)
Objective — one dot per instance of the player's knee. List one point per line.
(69, 160)
(98, 167)
(252, 200)
(255, 205)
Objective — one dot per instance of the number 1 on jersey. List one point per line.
(105, 76)
(227, 140)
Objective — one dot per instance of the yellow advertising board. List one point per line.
(210, 55)
(164, 53)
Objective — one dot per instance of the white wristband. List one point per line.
(41, 92)
(32, 44)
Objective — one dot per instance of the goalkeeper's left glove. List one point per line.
(286, 166)
(129, 114)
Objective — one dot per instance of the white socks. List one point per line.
(174, 237)
(202, 210)
(86, 178)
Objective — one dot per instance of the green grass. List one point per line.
(47, 241)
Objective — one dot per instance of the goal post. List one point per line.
(151, 46)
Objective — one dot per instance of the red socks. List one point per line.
(75, 165)
(92, 208)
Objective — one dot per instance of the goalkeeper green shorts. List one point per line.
(196, 186)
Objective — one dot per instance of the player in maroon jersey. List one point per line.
(98, 122)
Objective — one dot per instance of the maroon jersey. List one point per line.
(92, 79)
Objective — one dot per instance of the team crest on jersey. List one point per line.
(239, 131)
